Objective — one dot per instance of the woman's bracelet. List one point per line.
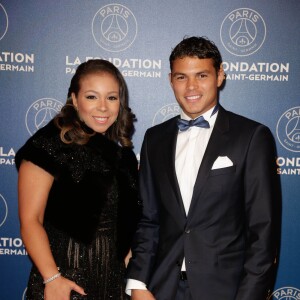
(52, 278)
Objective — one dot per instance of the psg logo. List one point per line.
(3, 210)
(243, 32)
(40, 113)
(114, 27)
(285, 293)
(165, 113)
(288, 129)
(3, 22)
(24, 294)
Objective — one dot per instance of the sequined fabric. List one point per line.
(77, 161)
(91, 212)
(95, 267)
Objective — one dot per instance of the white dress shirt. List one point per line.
(190, 148)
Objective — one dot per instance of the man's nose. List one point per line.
(192, 83)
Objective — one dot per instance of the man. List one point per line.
(208, 193)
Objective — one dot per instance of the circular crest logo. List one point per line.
(114, 27)
(24, 294)
(286, 293)
(288, 129)
(3, 210)
(165, 113)
(243, 31)
(3, 21)
(40, 113)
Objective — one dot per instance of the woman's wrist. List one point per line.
(55, 276)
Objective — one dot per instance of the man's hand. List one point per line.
(141, 295)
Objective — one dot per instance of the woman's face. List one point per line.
(98, 101)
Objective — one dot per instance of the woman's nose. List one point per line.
(102, 105)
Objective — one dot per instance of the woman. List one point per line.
(77, 187)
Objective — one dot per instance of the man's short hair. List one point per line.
(200, 47)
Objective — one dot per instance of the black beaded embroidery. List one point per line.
(95, 265)
(77, 158)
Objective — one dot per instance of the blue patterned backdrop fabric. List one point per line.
(42, 43)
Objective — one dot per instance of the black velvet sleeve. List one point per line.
(40, 149)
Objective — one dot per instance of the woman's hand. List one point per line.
(60, 289)
(141, 295)
(127, 258)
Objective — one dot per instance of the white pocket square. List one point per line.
(222, 162)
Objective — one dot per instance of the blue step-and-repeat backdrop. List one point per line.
(42, 43)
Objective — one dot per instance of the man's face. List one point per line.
(195, 84)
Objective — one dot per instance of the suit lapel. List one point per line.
(212, 151)
(169, 162)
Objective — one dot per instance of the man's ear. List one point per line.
(170, 79)
(221, 76)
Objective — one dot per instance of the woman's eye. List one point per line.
(112, 98)
(91, 97)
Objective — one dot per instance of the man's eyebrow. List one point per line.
(182, 73)
(177, 73)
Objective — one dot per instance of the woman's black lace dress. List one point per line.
(91, 211)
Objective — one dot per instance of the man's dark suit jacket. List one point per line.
(228, 237)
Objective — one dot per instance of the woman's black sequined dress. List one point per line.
(91, 211)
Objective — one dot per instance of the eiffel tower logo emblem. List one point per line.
(243, 37)
(294, 130)
(114, 32)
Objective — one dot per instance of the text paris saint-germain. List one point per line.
(12, 246)
(260, 71)
(7, 157)
(16, 62)
(130, 67)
